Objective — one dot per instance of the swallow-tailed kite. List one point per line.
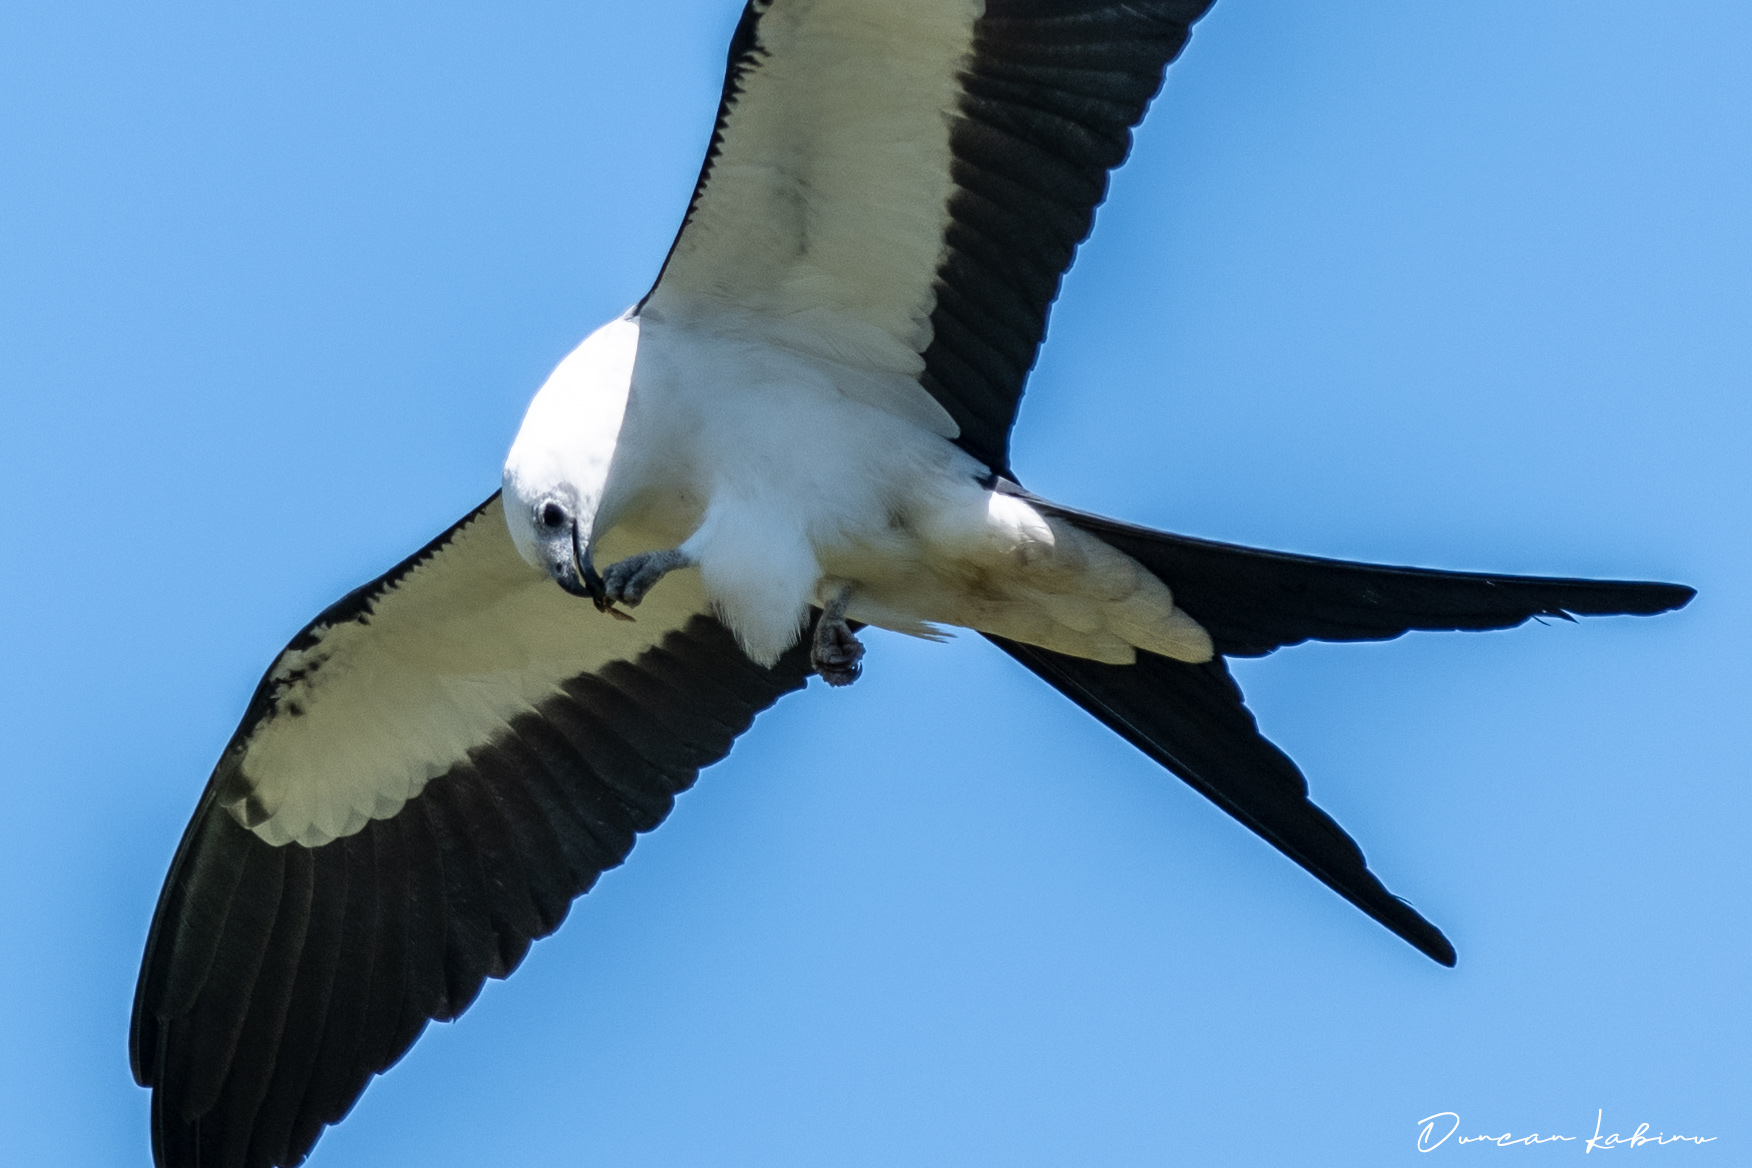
(801, 430)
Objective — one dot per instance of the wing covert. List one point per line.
(286, 967)
(899, 187)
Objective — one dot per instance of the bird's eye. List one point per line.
(553, 515)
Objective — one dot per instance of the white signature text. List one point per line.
(1436, 1130)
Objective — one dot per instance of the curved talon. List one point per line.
(629, 580)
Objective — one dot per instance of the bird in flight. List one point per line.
(800, 432)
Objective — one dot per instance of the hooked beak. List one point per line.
(580, 577)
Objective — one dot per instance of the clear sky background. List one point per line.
(1459, 285)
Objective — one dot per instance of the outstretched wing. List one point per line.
(899, 185)
(427, 776)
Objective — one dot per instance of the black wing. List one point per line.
(901, 186)
(298, 950)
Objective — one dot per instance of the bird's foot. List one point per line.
(837, 652)
(627, 581)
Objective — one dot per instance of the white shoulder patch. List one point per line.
(366, 711)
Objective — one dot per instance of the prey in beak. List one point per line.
(580, 578)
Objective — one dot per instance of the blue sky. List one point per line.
(1455, 285)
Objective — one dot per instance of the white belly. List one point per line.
(753, 459)
(787, 477)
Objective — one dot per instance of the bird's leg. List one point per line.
(627, 581)
(836, 652)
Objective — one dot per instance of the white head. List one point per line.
(558, 466)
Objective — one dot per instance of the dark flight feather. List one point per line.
(1046, 100)
(279, 980)
(1049, 96)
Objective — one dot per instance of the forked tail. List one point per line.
(1191, 718)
